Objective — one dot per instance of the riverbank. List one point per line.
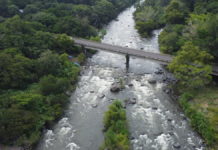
(202, 109)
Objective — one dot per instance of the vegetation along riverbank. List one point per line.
(190, 33)
(39, 61)
(116, 128)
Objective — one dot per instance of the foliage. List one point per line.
(150, 16)
(171, 39)
(176, 12)
(146, 28)
(199, 26)
(115, 127)
(198, 120)
(206, 102)
(81, 57)
(35, 71)
(190, 67)
(15, 70)
(48, 63)
(52, 85)
(26, 112)
(203, 30)
(190, 33)
(74, 27)
(46, 19)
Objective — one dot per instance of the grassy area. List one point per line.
(115, 128)
(202, 109)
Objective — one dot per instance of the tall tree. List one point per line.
(191, 67)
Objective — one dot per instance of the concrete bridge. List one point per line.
(163, 59)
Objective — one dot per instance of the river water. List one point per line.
(155, 121)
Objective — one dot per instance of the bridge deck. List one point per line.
(162, 58)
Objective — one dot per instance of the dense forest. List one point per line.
(35, 71)
(190, 33)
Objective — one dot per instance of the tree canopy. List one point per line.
(191, 68)
(35, 69)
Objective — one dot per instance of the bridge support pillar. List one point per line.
(127, 61)
(84, 49)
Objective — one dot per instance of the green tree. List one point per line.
(74, 27)
(64, 44)
(4, 8)
(48, 63)
(146, 28)
(13, 10)
(175, 12)
(30, 9)
(103, 11)
(207, 35)
(15, 71)
(52, 85)
(116, 130)
(20, 3)
(171, 39)
(191, 67)
(22, 123)
(47, 19)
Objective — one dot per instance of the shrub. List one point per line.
(81, 57)
(198, 120)
(146, 28)
(52, 85)
(115, 127)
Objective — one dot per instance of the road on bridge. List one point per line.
(161, 58)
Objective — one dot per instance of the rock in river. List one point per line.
(94, 105)
(132, 101)
(176, 145)
(159, 71)
(130, 84)
(101, 96)
(152, 81)
(115, 87)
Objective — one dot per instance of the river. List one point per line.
(155, 121)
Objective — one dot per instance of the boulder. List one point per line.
(169, 119)
(101, 96)
(167, 91)
(115, 87)
(176, 145)
(152, 81)
(171, 133)
(159, 71)
(68, 93)
(94, 105)
(154, 108)
(142, 84)
(132, 101)
(130, 84)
